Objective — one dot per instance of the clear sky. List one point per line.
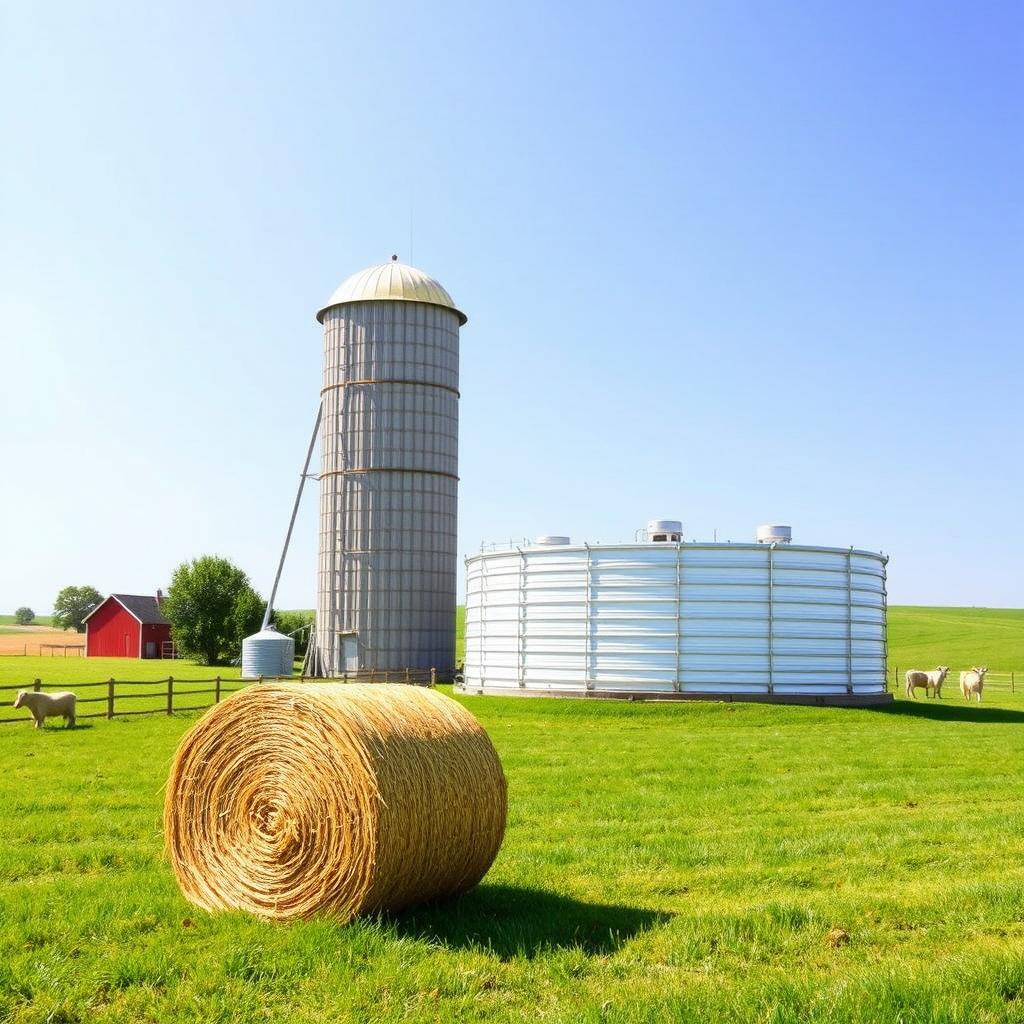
(730, 263)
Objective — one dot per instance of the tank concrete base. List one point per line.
(836, 700)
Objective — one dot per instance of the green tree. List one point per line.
(293, 622)
(246, 618)
(24, 616)
(211, 608)
(72, 605)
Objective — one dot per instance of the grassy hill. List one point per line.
(39, 620)
(923, 637)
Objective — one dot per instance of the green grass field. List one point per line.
(144, 694)
(39, 620)
(958, 637)
(662, 863)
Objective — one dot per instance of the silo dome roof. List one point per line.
(394, 282)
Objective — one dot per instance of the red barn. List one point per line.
(126, 626)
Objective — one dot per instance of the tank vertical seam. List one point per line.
(521, 630)
(771, 619)
(483, 621)
(679, 616)
(849, 621)
(588, 683)
(885, 629)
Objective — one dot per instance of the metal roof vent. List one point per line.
(267, 653)
(664, 531)
(774, 534)
(552, 540)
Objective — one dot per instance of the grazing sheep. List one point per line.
(48, 705)
(931, 681)
(973, 682)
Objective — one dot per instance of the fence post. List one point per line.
(260, 679)
(170, 695)
(110, 697)
(407, 676)
(216, 692)
(433, 677)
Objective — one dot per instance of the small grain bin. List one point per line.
(267, 653)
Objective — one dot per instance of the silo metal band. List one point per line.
(387, 469)
(381, 380)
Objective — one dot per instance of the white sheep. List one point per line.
(931, 681)
(973, 682)
(48, 705)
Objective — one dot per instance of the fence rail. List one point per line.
(185, 689)
(993, 680)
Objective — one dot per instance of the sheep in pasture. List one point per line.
(48, 705)
(930, 681)
(973, 682)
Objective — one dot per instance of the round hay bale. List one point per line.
(293, 799)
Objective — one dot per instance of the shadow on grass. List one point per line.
(509, 921)
(950, 711)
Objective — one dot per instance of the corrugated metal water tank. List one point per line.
(766, 622)
(267, 653)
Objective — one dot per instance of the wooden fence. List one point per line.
(993, 681)
(168, 701)
(42, 649)
(79, 649)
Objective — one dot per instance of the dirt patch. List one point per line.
(32, 640)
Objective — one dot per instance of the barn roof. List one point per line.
(143, 607)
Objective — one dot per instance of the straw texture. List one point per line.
(289, 800)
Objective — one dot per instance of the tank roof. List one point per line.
(391, 282)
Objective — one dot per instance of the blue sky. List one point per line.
(730, 263)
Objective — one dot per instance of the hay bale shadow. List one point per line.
(510, 921)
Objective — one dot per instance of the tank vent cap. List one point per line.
(552, 540)
(774, 534)
(663, 531)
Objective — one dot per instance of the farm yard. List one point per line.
(662, 863)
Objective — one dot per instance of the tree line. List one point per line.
(211, 606)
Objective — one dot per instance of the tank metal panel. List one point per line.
(388, 485)
(712, 618)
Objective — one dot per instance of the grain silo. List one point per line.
(672, 619)
(389, 474)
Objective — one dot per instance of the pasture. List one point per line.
(704, 862)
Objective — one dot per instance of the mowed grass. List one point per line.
(662, 863)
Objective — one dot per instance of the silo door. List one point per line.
(350, 653)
